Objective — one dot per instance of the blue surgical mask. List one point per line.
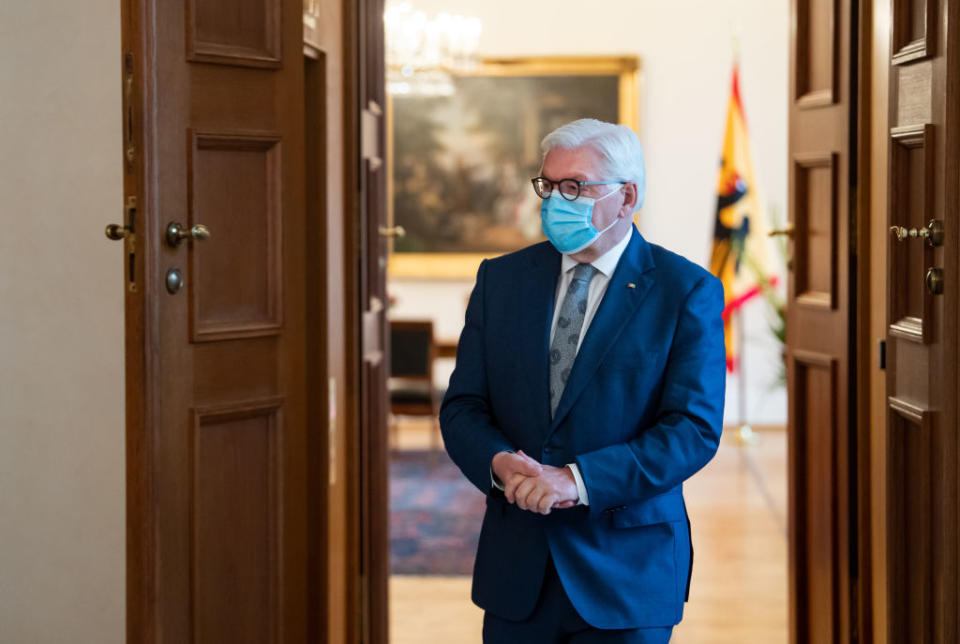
(569, 224)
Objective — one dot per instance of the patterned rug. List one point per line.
(435, 515)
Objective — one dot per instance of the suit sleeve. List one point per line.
(689, 419)
(469, 429)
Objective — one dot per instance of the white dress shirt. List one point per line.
(605, 265)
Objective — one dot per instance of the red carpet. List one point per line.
(435, 515)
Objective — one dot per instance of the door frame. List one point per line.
(371, 354)
(364, 595)
(863, 310)
(136, 52)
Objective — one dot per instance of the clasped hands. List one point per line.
(532, 485)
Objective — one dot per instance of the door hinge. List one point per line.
(370, 135)
(882, 347)
(371, 342)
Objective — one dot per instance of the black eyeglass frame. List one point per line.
(546, 194)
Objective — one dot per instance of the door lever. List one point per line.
(932, 232)
(115, 232)
(782, 232)
(177, 233)
(392, 232)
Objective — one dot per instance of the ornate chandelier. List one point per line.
(423, 51)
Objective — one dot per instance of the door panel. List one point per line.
(910, 546)
(911, 168)
(235, 188)
(815, 387)
(815, 221)
(819, 342)
(235, 517)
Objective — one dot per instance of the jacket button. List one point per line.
(547, 449)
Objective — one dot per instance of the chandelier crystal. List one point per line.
(424, 51)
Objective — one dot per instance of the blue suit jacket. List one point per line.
(641, 412)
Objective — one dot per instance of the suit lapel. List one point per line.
(538, 287)
(629, 284)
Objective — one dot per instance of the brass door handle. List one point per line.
(115, 232)
(177, 233)
(392, 232)
(932, 232)
(786, 232)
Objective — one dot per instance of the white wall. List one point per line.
(62, 482)
(685, 47)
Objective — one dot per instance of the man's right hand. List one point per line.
(512, 469)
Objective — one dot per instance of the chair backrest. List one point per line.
(411, 349)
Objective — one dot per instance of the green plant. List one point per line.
(777, 305)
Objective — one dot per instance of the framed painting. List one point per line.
(460, 165)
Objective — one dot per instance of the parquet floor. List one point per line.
(738, 508)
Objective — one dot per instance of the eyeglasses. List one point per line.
(569, 188)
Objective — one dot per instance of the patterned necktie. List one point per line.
(563, 349)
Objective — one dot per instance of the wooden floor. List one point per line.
(737, 506)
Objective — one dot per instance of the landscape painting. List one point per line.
(461, 164)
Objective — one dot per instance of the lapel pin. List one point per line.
(631, 285)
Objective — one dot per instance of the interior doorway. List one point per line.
(741, 546)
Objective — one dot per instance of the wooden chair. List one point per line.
(412, 352)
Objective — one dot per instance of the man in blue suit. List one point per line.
(589, 385)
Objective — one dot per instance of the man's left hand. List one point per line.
(554, 487)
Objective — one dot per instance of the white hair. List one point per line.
(619, 148)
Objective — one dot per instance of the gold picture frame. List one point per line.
(461, 266)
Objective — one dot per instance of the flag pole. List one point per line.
(745, 435)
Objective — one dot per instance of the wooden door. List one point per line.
(819, 342)
(921, 424)
(227, 384)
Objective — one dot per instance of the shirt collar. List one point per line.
(606, 263)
